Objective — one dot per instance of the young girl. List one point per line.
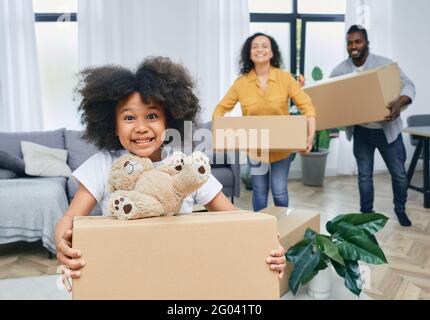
(128, 112)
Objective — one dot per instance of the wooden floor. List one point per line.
(407, 276)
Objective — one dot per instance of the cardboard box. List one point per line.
(259, 133)
(292, 224)
(355, 98)
(196, 256)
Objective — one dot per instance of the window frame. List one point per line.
(55, 17)
(293, 19)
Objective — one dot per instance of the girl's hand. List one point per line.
(277, 260)
(70, 259)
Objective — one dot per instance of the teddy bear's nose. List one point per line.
(178, 168)
(202, 170)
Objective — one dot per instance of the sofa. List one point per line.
(31, 206)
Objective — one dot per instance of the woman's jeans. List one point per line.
(277, 174)
(394, 155)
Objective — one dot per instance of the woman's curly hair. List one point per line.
(157, 80)
(245, 62)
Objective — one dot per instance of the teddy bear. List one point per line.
(139, 190)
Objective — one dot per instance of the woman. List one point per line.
(264, 89)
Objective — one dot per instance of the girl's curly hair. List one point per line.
(102, 89)
(157, 79)
(245, 62)
(169, 84)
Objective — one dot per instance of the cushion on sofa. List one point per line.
(11, 141)
(12, 162)
(7, 174)
(44, 161)
(78, 149)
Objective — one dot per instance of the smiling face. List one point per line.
(140, 127)
(261, 50)
(358, 47)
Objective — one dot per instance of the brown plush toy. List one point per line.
(139, 190)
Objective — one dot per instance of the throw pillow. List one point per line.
(11, 162)
(44, 161)
(7, 174)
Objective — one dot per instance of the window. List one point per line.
(57, 48)
(309, 32)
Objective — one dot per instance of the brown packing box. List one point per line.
(355, 98)
(197, 256)
(292, 224)
(274, 133)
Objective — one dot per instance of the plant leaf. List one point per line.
(372, 222)
(310, 234)
(317, 74)
(351, 273)
(305, 261)
(294, 252)
(355, 244)
(329, 249)
(320, 266)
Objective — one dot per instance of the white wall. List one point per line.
(411, 31)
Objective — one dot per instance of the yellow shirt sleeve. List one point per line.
(227, 103)
(300, 98)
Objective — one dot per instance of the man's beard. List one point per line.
(361, 56)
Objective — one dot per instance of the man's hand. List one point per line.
(396, 107)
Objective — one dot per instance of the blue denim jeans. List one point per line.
(394, 155)
(277, 174)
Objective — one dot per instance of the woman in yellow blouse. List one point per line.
(264, 89)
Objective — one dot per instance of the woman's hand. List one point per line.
(311, 135)
(277, 260)
(69, 259)
(309, 145)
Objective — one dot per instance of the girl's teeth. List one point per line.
(142, 141)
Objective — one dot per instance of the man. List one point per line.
(385, 135)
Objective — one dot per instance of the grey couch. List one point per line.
(30, 207)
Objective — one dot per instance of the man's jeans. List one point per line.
(394, 155)
(277, 173)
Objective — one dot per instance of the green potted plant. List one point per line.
(351, 239)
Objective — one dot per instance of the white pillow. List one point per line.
(44, 161)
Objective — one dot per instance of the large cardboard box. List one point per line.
(292, 224)
(355, 98)
(196, 256)
(259, 133)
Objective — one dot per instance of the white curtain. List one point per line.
(223, 26)
(20, 93)
(376, 17)
(204, 35)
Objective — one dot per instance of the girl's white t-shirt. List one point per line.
(93, 175)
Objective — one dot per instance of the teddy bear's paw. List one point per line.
(132, 167)
(177, 160)
(124, 208)
(200, 163)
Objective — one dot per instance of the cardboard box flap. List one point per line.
(286, 223)
(204, 218)
(390, 68)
